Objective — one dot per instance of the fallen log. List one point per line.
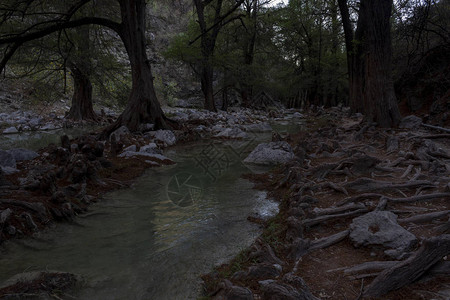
(408, 271)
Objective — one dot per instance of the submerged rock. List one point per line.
(260, 127)
(271, 153)
(381, 228)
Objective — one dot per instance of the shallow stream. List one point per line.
(154, 240)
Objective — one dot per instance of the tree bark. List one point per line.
(371, 87)
(81, 108)
(80, 66)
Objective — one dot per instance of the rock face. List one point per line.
(271, 153)
(410, 122)
(381, 228)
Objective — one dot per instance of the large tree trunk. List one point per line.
(371, 86)
(81, 108)
(378, 96)
(143, 105)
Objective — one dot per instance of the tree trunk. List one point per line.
(378, 96)
(207, 78)
(371, 87)
(81, 108)
(80, 65)
(143, 106)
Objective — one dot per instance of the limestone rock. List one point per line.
(166, 137)
(381, 228)
(271, 153)
(151, 148)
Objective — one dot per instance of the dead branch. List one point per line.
(423, 218)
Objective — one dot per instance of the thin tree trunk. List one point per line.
(207, 78)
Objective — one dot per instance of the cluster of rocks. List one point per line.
(25, 121)
(383, 192)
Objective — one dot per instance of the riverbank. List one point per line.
(364, 213)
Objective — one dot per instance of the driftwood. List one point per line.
(423, 218)
(321, 219)
(368, 184)
(408, 271)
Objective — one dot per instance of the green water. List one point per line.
(138, 244)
